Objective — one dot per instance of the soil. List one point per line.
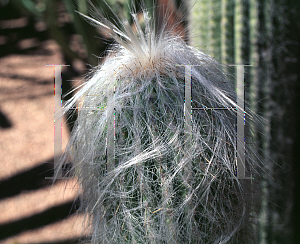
(33, 209)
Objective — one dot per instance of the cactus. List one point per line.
(150, 172)
(254, 32)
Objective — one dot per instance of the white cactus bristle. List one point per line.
(162, 187)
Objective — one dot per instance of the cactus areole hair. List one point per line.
(151, 172)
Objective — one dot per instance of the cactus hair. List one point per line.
(157, 183)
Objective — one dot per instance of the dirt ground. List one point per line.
(26, 143)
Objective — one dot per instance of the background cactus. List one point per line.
(257, 32)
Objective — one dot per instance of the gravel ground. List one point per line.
(27, 101)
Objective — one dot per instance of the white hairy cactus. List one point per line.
(145, 177)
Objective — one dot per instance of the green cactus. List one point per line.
(254, 32)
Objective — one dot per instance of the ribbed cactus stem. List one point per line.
(254, 56)
(216, 27)
(238, 31)
(200, 25)
(227, 48)
(265, 87)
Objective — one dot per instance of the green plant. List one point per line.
(151, 173)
